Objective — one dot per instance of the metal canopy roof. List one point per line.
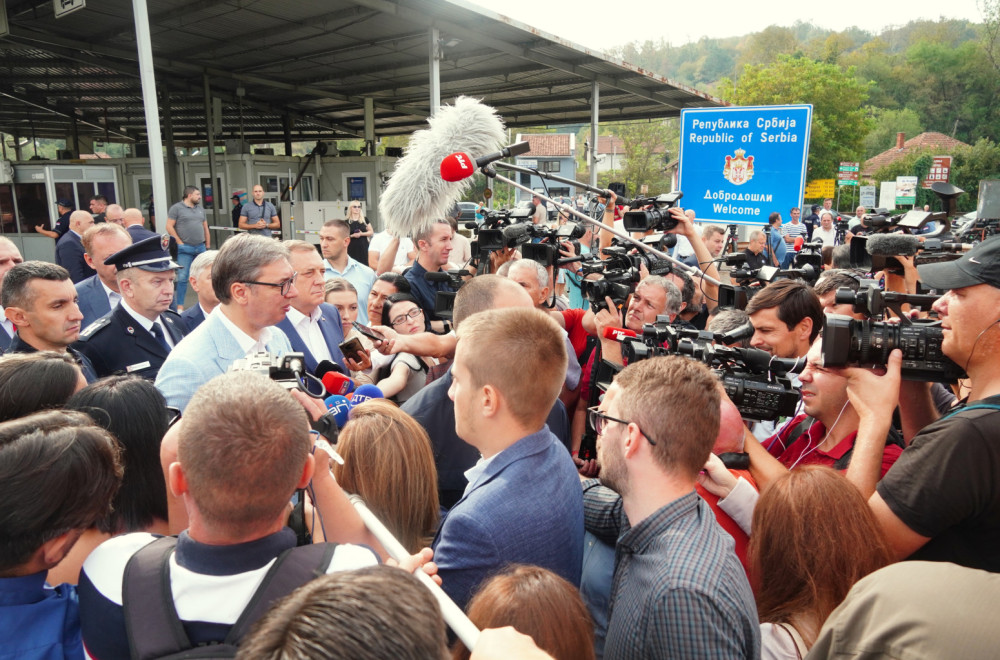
(307, 66)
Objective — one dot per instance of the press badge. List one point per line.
(136, 367)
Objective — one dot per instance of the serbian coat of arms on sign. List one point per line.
(739, 168)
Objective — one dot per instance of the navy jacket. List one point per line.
(193, 316)
(18, 345)
(526, 507)
(333, 332)
(432, 408)
(118, 344)
(69, 255)
(92, 300)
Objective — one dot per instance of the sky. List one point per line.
(590, 23)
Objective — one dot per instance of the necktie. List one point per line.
(158, 333)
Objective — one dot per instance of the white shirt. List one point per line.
(6, 323)
(308, 328)
(382, 239)
(113, 296)
(473, 472)
(147, 324)
(827, 236)
(246, 343)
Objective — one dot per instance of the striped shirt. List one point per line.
(678, 590)
(794, 230)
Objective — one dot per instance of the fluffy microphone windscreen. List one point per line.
(893, 245)
(416, 195)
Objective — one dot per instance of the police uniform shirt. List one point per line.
(148, 325)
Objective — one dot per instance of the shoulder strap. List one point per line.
(800, 644)
(975, 406)
(293, 568)
(147, 601)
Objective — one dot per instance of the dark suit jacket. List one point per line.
(432, 408)
(193, 316)
(5, 339)
(92, 300)
(329, 325)
(18, 345)
(118, 344)
(526, 507)
(69, 255)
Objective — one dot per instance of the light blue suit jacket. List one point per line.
(92, 300)
(526, 507)
(204, 354)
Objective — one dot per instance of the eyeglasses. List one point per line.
(598, 421)
(355, 207)
(412, 314)
(284, 285)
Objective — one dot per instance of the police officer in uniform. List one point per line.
(137, 336)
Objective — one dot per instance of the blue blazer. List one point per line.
(138, 233)
(433, 410)
(333, 332)
(92, 300)
(69, 255)
(526, 507)
(193, 316)
(204, 354)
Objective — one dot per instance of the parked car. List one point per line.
(467, 211)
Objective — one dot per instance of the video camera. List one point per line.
(656, 218)
(547, 253)
(444, 301)
(737, 296)
(872, 301)
(288, 370)
(755, 380)
(620, 276)
(849, 342)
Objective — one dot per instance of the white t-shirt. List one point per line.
(382, 239)
(827, 236)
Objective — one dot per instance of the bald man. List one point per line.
(69, 248)
(136, 225)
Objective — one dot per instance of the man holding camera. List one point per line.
(940, 501)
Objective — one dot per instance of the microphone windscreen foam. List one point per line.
(336, 383)
(893, 245)
(417, 195)
(340, 407)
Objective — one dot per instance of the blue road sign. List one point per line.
(739, 164)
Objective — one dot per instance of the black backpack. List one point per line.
(156, 632)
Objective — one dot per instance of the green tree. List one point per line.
(885, 125)
(839, 122)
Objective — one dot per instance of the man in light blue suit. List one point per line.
(523, 503)
(255, 284)
(312, 326)
(98, 294)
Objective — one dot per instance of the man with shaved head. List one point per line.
(69, 248)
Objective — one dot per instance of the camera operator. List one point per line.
(755, 250)
(826, 290)
(940, 500)
(857, 225)
(653, 296)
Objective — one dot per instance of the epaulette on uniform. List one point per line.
(94, 327)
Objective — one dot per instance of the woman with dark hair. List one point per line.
(537, 603)
(30, 382)
(405, 374)
(813, 536)
(135, 413)
(388, 462)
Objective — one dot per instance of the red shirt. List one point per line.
(740, 538)
(802, 450)
(573, 320)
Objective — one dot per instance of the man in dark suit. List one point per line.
(138, 335)
(523, 503)
(136, 225)
(10, 256)
(313, 326)
(69, 248)
(200, 280)
(39, 299)
(99, 294)
(431, 406)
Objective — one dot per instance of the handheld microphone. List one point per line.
(340, 407)
(325, 366)
(619, 334)
(366, 393)
(459, 165)
(892, 245)
(336, 383)
(798, 243)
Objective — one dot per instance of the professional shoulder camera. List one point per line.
(655, 218)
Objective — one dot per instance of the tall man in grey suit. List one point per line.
(255, 285)
(99, 294)
(523, 503)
